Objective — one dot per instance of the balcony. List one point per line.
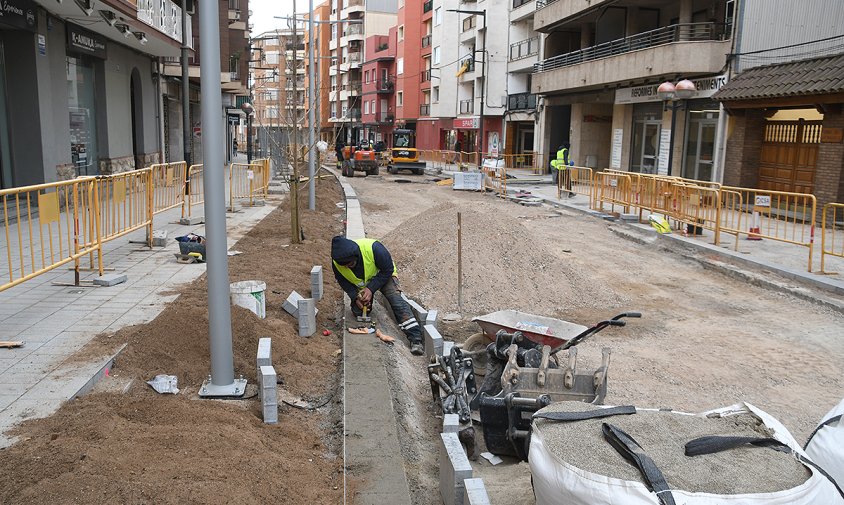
(552, 12)
(425, 76)
(386, 117)
(425, 109)
(385, 85)
(524, 48)
(426, 41)
(467, 106)
(682, 49)
(353, 6)
(469, 23)
(521, 101)
(355, 58)
(427, 6)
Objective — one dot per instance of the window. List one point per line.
(333, 83)
(400, 66)
(435, 55)
(435, 94)
(366, 107)
(399, 99)
(333, 109)
(438, 16)
(401, 33)
(272, 112)
(272, 94)
(372, 106)
(271, 57)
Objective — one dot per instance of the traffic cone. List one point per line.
(754, 233)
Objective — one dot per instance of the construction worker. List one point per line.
(560, 165)
(364, 266)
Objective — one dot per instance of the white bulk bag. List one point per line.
(557, 482)
(826, 445)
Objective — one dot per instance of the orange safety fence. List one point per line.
(167, 184)
(581, 182)
(248, 181)
(778, 215)
(612, 188)
(495, 179)
(125, 203)
(832, 236)
(194, 193)
(47, 226)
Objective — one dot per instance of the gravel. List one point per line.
(663, 436)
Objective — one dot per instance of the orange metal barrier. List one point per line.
(495, 180)
(125, 203)
(167, 184)
(248, 181)
(832, 238)
(582, 182)
(612, 188)
(48, 225)
(194, 193)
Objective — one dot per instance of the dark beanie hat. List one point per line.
(343, 250)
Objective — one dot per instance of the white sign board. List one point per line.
(471, 181)
(615, 155)
(706, 87)
(664, 149)
(763, 201)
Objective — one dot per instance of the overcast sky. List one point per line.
(262, 19)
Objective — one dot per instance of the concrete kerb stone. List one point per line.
(454, 469)
(431, 318)
(307, 317)
(269, 394)
(316, 282)
(474, 492)
(433, 340)
(110, 279)
(451, 423)
(264, 355)
(291, 305)
(192, 220)
(159, 238)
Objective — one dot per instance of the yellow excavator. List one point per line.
(404, 155)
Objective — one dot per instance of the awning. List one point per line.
(803, 78)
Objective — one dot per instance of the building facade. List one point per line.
(379, 88)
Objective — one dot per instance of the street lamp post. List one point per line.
(481, 13)
(247, 108)
(677, 96)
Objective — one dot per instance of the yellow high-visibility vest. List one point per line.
(369, 267)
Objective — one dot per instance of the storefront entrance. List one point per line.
(647, 125)
(700, 145)
(82, 114)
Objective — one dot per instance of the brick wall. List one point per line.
(744, 148)
(828, 175)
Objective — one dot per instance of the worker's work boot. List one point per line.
(417, 349)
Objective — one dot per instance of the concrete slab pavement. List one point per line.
(56, 321)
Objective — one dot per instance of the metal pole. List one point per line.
(671, 138)
(459, 263)
(221, 382)
(483, 86)
(312, 98)
(295, 231)
(187, 132)
(249, 137)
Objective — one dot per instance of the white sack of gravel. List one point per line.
(572, 463)
(826, 445)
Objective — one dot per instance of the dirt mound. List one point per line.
(502, 268)
(142, 447)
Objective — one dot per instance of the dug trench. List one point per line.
(137, 446)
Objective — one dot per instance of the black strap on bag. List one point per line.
(589, 414)
(822, 425)
(713, 444)
(633, 453)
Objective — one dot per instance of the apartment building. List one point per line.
(322, 64)
(354, 22)
(80, 86)
(785, 99)
(379, 87)
(278, 87)
(601, 64)
(234, 65)
(521, 114)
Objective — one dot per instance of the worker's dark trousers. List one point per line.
(404, 316)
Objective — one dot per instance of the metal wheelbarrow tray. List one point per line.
(538, 329)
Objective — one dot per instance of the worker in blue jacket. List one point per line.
(364, 266)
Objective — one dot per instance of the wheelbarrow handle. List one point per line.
(627, 314)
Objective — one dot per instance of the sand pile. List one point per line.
(502, 269)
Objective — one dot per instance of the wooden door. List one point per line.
(789, 156)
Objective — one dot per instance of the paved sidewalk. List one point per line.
(56, 321)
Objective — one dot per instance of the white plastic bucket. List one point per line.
(250, 295)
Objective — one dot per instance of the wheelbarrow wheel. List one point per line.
(477, 342)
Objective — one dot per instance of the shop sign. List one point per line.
(19, 14)
(467, 123)
(81, 41)
(163, 15)
(706, 87)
